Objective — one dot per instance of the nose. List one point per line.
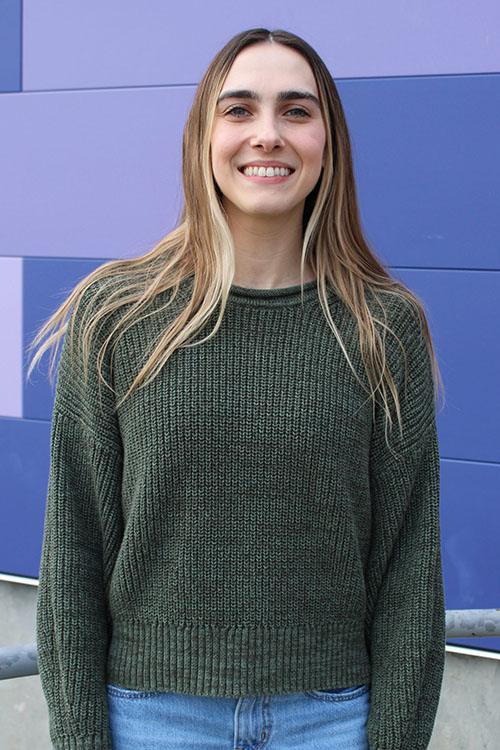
(267, 135)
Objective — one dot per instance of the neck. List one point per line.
(268, 253)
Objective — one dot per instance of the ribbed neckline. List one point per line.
(289, 295)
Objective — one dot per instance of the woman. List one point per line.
(242, 538)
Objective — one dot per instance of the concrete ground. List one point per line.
(468, 716)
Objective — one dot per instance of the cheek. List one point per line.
(223, 147)
(320, 146)
(315, 154)
(312, 146)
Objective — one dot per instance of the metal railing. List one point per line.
(18, 661)
(472, 623)
(21, 661)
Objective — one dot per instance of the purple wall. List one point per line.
(90, 158)
(136, 43)
(97, 176)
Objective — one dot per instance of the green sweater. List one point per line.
(240, 525)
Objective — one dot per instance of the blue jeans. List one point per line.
(314, 720)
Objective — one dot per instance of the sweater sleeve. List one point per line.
(81, 540)
(405, 604)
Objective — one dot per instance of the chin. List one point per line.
(261, 208)
(267, 210)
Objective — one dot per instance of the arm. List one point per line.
(81, 539)
(406, 617)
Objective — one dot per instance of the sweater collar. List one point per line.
(280, 296)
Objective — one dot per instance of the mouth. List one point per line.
(260, 171)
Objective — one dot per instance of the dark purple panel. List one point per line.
(464, 310)
(24, 468)
(90, 174)
(10, 45)
(428, 168)
(46, 284)
(470, 518)
(81, 45)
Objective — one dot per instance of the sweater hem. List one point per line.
(100, 741)
(236, 661)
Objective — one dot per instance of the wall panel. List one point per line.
(10, 45)
(47, 282)
(11, 307)
(24, 467)
(90, 174)
(103, 173)
(428, 168)
(464, 310)
(91, 44)
(470, 499)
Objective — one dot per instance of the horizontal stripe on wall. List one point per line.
(468, 491)
(103, 174)
(463, 310)
(92, 44)
(90, 174)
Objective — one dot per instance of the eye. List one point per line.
(237, 111)
(298, 112)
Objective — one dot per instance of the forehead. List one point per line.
(270, 67)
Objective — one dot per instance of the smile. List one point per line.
(266, 171)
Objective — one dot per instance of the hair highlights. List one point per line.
(202, 247)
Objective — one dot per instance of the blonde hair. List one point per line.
(202, 247)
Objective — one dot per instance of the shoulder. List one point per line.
(399, 310)
(401, 323)
(97, 307)
(93, 296)
(106, 297)
(408, 352)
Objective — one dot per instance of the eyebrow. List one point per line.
(283, 96)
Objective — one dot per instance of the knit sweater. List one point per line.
(242, 525)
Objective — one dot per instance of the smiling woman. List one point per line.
(268, 145)
(241, 543)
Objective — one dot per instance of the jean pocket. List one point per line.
(338, 694)
(120, 692)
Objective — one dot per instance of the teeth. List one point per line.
(267, 171)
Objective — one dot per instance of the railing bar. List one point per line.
(21, 661)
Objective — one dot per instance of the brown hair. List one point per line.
(202, 247)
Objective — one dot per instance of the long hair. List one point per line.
(202, 247)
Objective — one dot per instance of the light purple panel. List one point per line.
(11, 337)
(116, 43)
(92, 174)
